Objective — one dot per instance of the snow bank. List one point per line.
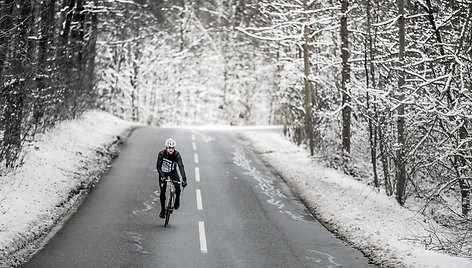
(59, 168)
(386, 232)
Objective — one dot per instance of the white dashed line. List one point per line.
(201, 224)
(199, 200)
(203, 242)
(197, 174)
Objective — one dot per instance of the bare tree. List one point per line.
(345, 77)
(370, 83)
(401, 161)
(308, 84)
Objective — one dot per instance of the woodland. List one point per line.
(381, 90)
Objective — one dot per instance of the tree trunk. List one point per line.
(66, 21)
(91, 51)
(401, 161)
(134, 57)
(370, 83)
(429, 9)
(43, 79)
(464, 183)
(345, 77)
(64, 63)
(47, 27)
(308, 86)
(182, 27)
(385, 164)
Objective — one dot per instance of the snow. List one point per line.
(368, 219)
(60, 166)
(66, 161)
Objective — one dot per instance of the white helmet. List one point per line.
(170, 142)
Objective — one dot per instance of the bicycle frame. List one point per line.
(170, 189)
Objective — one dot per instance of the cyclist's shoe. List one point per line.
(177, 203)
(161, 215)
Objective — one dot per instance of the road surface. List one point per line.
(235, 212)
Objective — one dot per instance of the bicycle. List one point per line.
(169, 208)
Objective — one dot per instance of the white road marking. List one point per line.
(203, 242)
(197, 174)
(201, 224)
(199, 200)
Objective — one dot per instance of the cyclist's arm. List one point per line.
(180, 163)
(159, 164)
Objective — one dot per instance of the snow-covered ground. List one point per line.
(58, 168)
(66, 162)
(368, 219)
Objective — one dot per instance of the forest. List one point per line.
(379, 89)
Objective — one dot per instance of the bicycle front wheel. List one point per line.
(168, 212)
(167, 217)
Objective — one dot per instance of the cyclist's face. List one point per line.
(170, 150)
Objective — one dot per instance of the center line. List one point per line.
(197, 174)
(203, 241)
(199, 200)
(194, 146)
(196, 158)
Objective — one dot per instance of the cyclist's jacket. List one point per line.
(166, 164)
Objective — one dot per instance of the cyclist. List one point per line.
(167, 160)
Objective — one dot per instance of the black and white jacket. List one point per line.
(166, 164)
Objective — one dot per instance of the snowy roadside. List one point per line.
(59, 170)
(372, 222)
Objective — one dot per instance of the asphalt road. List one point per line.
(235, 212)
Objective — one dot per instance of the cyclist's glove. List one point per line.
(184, 183)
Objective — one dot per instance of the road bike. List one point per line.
(170, 200)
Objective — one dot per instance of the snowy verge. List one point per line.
(60, 167)
(392, 236)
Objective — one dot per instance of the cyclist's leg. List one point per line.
(177, 196)
(162, 196)
(175, 177)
